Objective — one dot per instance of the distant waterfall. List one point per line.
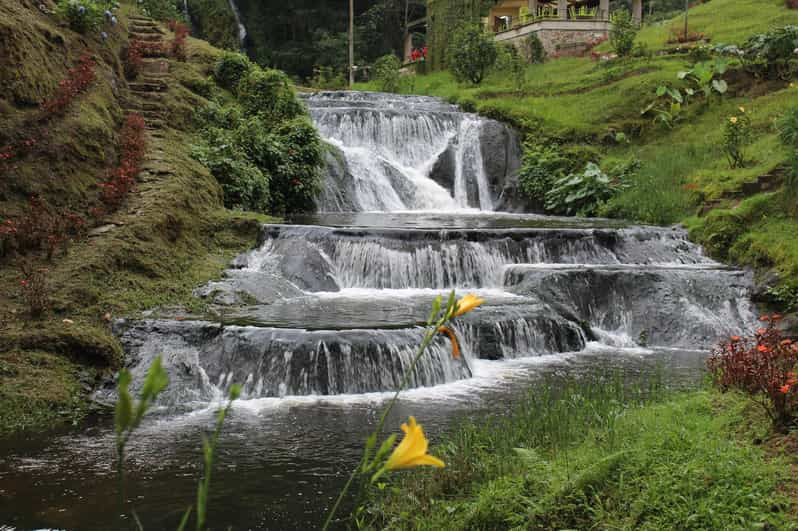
(242, 30)
(393, 144)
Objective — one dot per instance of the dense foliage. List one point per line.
(623, 33)
(763, 366)
(788, 134)
(386, 73)
(581, 193)
(472, 53)
(260, 146)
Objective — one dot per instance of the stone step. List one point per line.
(142, 18)
(148, 87)
(155, 124)
(138, 106)
(145, 28)
(145, 37)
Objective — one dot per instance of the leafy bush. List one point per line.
(386, 72)
(509, 61)
(122, 179)
(623, 33)
(534, 50)
(471, 53)
(162, 9)
(540, 167)
(326, 78)
(773, 52)
(788, 133)
(82, 16)
(178, 45)
(34, 288)
(762, 366)
(581, 193)
(706, 77)
(243, 184)
(133, 59)
(230, 69)
(264, 151)
(270, 93)
(736, 135)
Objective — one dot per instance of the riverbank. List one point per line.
(600, 457)
(592, 111)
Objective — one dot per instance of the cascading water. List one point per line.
(242, 30)
(333, 306)
(391, 146)
(323, 318)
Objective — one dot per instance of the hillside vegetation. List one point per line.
(150, 247)
(591, 108)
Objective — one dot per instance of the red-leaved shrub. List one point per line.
(42, 229)
(77, 81)
(122, 179)
(792, 4)
(763, 366)
(134, 59)
(34, 288)
(178, 47)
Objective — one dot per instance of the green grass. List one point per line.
(597, 458)
(722, 21)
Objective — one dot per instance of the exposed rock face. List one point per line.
(444, 169)
(501, 154)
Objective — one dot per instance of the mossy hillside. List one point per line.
(170, 236)
(689, 461)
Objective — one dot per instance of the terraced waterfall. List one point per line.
(323, 317)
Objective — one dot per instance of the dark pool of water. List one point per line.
(280, 461)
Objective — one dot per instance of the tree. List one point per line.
(472, 53)
(623, 33)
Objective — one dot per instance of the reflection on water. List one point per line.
(280, 461)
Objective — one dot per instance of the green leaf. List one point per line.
(720, 86)
(436, 309)
(184, 520)
(235, 392)
(124, 404)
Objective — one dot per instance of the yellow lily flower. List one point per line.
(742, 109)
(453, 338)
(733, 119)
(467, 303)
(412, 451)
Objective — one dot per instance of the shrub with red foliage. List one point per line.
(681, 38)
(34, 288)
(76, 82)
(792, 4)
(178, 47)
(122, 179)
(763, 366)
(134, 59)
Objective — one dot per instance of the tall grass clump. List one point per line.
(599, 453)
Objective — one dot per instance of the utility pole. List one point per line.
(686, 11)
(351, 43)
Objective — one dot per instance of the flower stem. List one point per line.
(431, 330)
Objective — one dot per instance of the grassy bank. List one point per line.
(595, 456)
(683, 172)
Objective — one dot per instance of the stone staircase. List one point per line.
(764, 183)
(146, 93)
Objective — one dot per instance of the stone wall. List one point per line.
(559, 38)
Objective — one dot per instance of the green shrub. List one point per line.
(296, 181)
(243, 184)
(386, 72)
(162, 9)
(737, 134)
(471, 53)
(509, 61)
(788, 133)
(581, 193)
(773, 52)
(534, 50)
(623, 33)
(541, 165)
(326, 78)
(269, 93)
(230, 69)
(83, 16)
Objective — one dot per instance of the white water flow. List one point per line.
(242, 30)
(392, 144)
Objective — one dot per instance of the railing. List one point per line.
(525, 18)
